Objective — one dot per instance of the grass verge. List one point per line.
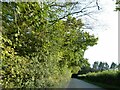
(103, 85)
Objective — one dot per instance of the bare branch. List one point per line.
(86, 9)
(97, 5)
(76, 12)
(66, 4)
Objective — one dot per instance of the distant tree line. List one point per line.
(98, 66)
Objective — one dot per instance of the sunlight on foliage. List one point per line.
(36, 52)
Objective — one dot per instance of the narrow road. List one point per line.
(76, 83)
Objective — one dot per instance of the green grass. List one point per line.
(110, 80)
(103, 85)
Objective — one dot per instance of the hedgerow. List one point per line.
(110, 77)
(35, 52)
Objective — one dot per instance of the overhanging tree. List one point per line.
(39, 48)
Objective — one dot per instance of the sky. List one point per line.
(107, 48)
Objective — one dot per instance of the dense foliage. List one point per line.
(107, 77)
(85, 68)
(36, 52)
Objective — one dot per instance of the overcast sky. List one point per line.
(107, 48)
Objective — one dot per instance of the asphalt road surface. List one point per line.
(76, 83)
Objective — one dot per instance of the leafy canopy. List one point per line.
(36, 52)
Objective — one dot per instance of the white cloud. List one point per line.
(107, 48)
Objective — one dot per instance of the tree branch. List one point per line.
(97, 5)
(83, 12)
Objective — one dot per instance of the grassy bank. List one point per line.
(103, 85)
(107, 79)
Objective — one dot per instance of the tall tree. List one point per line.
(106, 66)
(101, 66)
(113, 66)
(95, 65)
